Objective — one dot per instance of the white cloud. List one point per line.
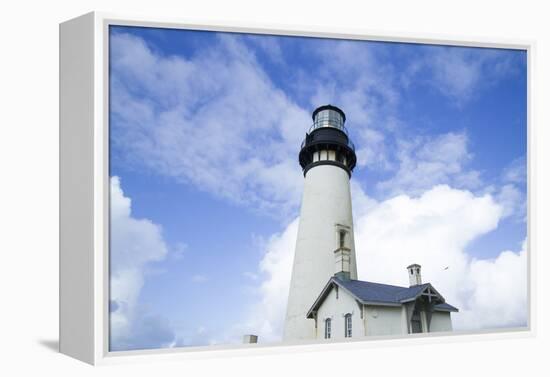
(458, 73)
(512, 201)
(200, 120)
(512, 194)
(266, 316)
(500, 295)
(455, 74)
(516, 171)
(374, 151)
(269, 45)
(433, 230)
(428, 161)
(134, 244)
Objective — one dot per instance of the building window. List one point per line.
(327, 328)
(342, 238)
(347, 321)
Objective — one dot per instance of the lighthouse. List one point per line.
(325, 244)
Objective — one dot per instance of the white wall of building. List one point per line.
(326, 202)
(336, 308)
(384, 320)
(441, 321)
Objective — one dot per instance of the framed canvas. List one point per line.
(228, 190)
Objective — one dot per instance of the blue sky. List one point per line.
(205, 132)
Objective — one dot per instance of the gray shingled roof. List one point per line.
(376, 292)
(445, 308)
(385, 294)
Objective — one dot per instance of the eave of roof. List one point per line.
(445, 308)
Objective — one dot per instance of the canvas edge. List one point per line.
(76, 188)
(83, 195)
(99, 341)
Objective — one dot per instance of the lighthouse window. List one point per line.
(347, 322)
(327, 328)
(328, 118)
(342, 239)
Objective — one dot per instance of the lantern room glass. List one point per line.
(328, 118)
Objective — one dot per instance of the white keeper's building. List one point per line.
(326, 301)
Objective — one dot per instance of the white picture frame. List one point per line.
(84, 189)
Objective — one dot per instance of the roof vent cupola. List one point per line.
(414, 274)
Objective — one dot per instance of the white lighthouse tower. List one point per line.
(325, 243)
